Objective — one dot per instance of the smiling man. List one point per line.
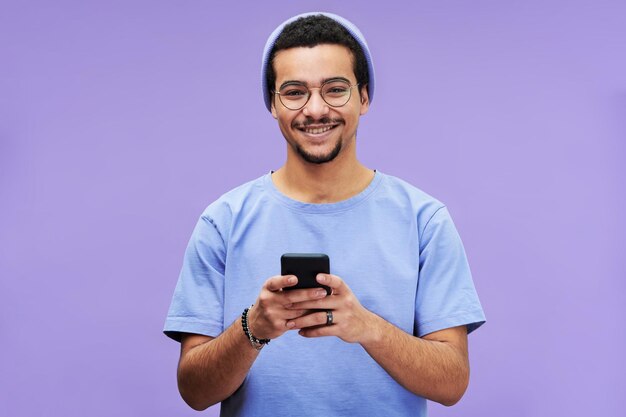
(392, 332)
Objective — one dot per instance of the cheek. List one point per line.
(352, 118)
(284, 122)
(287, 120)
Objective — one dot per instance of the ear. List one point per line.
(274, 114)
(365, 100)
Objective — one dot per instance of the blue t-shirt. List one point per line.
(395, 247)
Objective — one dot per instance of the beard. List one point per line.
(318, 159)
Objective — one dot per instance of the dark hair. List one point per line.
(316, 30)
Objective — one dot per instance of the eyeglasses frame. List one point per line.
(350, 87)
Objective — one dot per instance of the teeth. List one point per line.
(317, 131)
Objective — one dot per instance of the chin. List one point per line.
(319, 159)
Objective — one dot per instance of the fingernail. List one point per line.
(290, 324)
(320, 293)
(321, 278)
(291, 280)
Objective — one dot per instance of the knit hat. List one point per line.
(349, 26)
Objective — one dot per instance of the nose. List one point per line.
(316, 107)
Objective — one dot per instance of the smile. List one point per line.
(317, 130)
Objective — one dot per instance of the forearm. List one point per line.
(212, 371)
(436, 370)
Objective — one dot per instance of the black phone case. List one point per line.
(305, 266)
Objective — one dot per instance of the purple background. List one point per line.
(120, 122)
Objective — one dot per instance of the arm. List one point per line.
(435, 366)
(211, 369)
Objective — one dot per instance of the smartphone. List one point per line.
(305, 266)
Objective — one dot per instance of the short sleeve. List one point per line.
(197, 305)
(446, 296)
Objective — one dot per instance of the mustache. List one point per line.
(311, 121)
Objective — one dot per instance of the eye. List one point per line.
(293, 92)
(336, 89)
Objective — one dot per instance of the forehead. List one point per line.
(313, 65)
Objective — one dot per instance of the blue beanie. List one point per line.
(349, 26)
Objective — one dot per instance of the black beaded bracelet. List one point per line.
(256, 343)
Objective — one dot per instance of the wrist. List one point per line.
(375, 333)
(256, 343)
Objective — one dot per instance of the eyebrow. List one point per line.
(325, 80)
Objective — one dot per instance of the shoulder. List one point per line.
(231, 204)
(403, 189)
(400, 193)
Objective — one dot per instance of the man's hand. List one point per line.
(274, 312)
(434, 366)
(212, 369)
(351, 321)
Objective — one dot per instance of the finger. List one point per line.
(279, 282)
(319, 331)
(294, 314)
(326, 303)
(296, 296)
(318, 318)
(332, 281)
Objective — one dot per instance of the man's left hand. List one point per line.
(350, 320)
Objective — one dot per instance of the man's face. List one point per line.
(318, 132)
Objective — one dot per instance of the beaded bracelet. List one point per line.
(255, 342)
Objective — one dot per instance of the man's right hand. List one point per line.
(212, 369)
(268, 318)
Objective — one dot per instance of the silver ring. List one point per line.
(329, 317)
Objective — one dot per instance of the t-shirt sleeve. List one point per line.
(446, 296)
(197, 304)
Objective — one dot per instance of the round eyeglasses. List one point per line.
(335, 93)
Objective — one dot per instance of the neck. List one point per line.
(331, 182)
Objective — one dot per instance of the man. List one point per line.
(393, 332)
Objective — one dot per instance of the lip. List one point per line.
(317, 132)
